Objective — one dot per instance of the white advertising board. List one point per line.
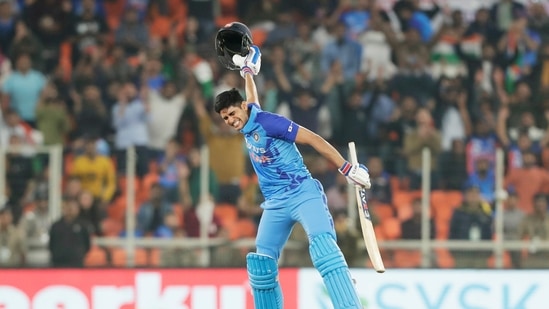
(435, 289)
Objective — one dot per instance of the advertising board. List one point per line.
(133, 289)
(436, 289)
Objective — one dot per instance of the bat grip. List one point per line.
(352, 153)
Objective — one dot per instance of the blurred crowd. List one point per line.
(395, 77)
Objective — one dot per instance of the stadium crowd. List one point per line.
(100, 76)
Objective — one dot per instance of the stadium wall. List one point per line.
(228, 289)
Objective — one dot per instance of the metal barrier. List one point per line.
(425, 245)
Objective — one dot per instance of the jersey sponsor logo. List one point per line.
(259, 158)
(291, 127)
(256, 136)
(254, 148)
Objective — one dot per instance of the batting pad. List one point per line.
(263, 275)
(330, 263)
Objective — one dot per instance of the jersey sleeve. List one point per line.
(278, 126)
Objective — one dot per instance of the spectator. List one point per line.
(515, 150)
(512, 219)
(444, 59)
(8, 23)
(152, 75)
(130, 119)
(88, 30)
(222, 141)
(409, 17)
(91, 211)
(117, 67)
(510, 134)
(344, 50)
(25, 41)
(201, 71)
(95, 172)
(170, 227)
(376, 48)
(228, 81)
(166, 108)
(481, 144)
(169, 165)
(132, 34)
(23, 87)
(306, 108)
(379, 109)
(538, 20)
(69, 237)
(411, 58)
(90, 113)
(347, 237)
(49, 20)
(424, 136)
(20, 172)
(504, 12)
(355, 15)
(194, 165)
(411, 228)
(520, 44)
(12, 242)
(151, 213)
(337, 195)
(484, 26)
(472, 221)
(402, 121)
(380, 192)
(15, 126)
(51, 116)
(484, 179)
(34, 226)
(304, 55)
(535, 228)
(451, 114)
(452, 169)
(354, 124)
(528, 180)
(73, 187)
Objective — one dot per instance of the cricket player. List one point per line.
(291, 194)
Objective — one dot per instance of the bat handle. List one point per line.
(352, 153)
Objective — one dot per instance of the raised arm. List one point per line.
(251, 89)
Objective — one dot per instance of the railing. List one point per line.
(425, 245)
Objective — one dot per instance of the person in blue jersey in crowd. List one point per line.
(291, 194)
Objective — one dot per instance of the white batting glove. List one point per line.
(251, 63)
(356, 174)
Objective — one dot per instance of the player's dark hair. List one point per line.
(227, 98)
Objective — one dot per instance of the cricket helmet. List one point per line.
(234, 38)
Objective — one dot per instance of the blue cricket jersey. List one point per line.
(270, 139)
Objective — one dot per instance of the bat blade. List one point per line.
(366, 224)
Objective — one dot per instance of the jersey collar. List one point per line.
(249, 126)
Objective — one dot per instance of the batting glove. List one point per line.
(251, 63)
(356, 174)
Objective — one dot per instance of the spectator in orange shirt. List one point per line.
(528, 180)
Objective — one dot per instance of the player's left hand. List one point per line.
(356, 174)
(249, 64)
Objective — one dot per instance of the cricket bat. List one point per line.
(366, 220)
